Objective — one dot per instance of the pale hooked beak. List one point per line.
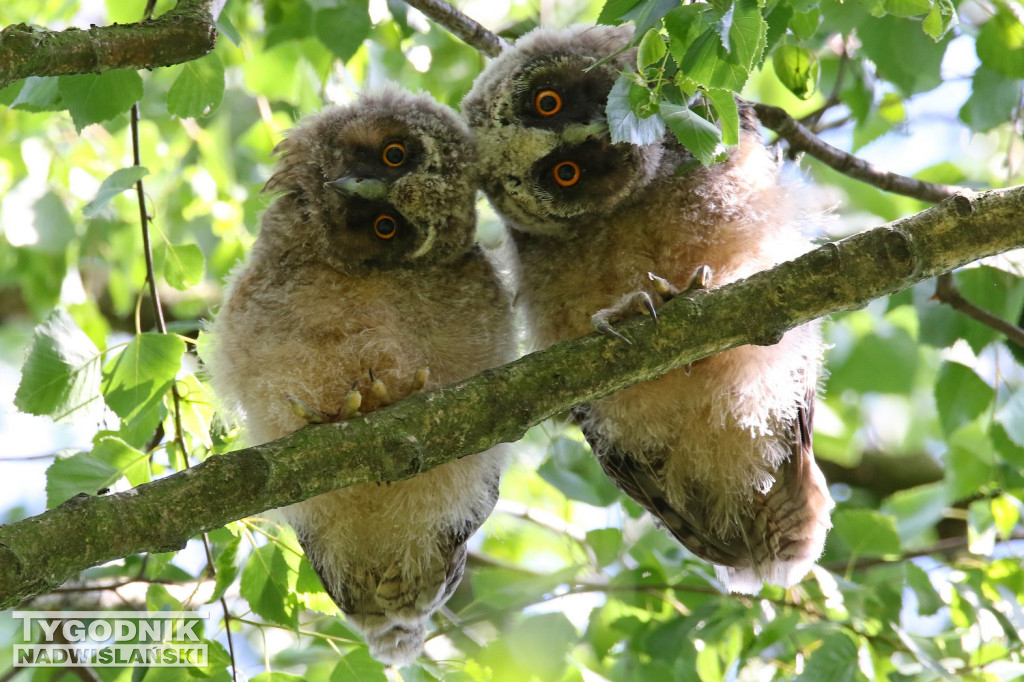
(357, 186)
(577, 133)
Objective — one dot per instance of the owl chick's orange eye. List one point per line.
(393, 154)
(384, 226)
(547, 102)
(567, 173)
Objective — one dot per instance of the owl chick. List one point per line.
(720, 452)
(364, 271)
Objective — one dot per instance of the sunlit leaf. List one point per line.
(61, 374)
(183, 265)
(115, 183)
(960, 396)
(77, 473)
(1000, 44)
(198, 89)
(357, 666)
(866, 533)
(343, 29)
(135, 380)
(697, 134)
(797, 68)
(267, 584)
(626, 126)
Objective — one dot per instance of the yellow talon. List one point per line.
(379, 390)
(419, 379)
(353, 400)
(307, 412)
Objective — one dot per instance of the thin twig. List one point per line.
(463, 27)
(802, 139)
(179, 437)
(946, 292)
(947, 547)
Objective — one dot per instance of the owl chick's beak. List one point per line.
(358, 186)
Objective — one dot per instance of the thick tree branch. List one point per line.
(426, 430)
(802, 139)
(466, 29)
(185, 33)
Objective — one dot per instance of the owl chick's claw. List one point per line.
(379, 390)
(314, 415)
(627, 306)
(419, 379)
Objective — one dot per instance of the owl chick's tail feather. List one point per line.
(776, 537)
(391, 642)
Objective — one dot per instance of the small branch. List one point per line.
(429, 429)
(185, 33)
(463, 27)
(949, 548)
(802, 139)
(946, 292)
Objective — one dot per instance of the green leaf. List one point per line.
(136, 379)
(698, 135)
(940, 19)
(267, 584)
(652, 49)
(129, 462)
(536, 647)
(274, 676)
(725, 106)
(835, 661)
(573, 470)
(903, 53)
(310, 590)
(993, 100)
(183, 265)
(805, 24)
(227, 568)
(685, 24)
(1011, 417)
(503, 588)
(648, 14)
(358, 666)
(606, 543)
(747, 34)
(119, 181)
(61, 374)
(77, 473)
(908, 8)
(92, 98)
(613, 10)
(928, 600)
(797, 68)
(866, 533)
(52, 223)
(960, 396)
(198, 89)
(917, 509)
(623, 124)
(39, 94)
(707, 63)
(1000, 44)
(343, 29)
(997, 291)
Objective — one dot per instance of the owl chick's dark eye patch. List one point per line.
(555, 94)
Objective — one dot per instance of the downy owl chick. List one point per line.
(720, 452)
(365, 270)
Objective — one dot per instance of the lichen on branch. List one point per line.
(182, 34)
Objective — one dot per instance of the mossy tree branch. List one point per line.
(426, 430)
(187, 32)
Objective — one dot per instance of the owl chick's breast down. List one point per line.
(719, 452)
(364, 274)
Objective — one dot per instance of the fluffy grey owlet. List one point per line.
(719, 452)
(364, 275)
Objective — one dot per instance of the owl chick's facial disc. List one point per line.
(539, 114)
(391, 181)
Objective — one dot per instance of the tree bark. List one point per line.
(426, 430)
(187, 32)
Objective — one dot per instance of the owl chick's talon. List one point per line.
(353, 400)
(602, 326)
(419, 379)
(379, 389)
(311, 414)
(700, 279)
